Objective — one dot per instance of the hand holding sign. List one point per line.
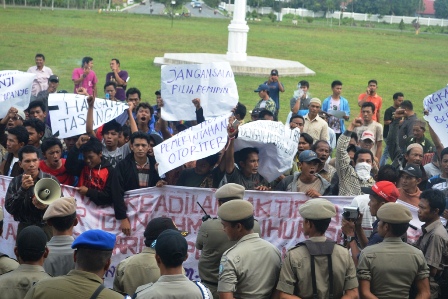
(437, 106)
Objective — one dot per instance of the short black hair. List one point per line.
(316, 144)
(28, 149)
(336, 83)
(354, 136)
(398, 229)
(247, 223)
(304, 83)
(63, 223)
(139, 135)
(112, 125)
(133, 90)
(442, 153)
(35, 104)
(91, 260)
(212, 159)
(369, 104)
(360, 152)
(126, 131)
(435, 198)
(39, 55)
(388, 173)
(50, 142)
(21, 134)
(307, 137)
(320, 225)
(297, 116)
(145, 106)
(241, 110)
(116, 60)
(93, 145)
(109, 83)
(85, 60)
(397, 95)
(265, 112)
(35, 123)
(243, 154)
(372, 81)
(406, 104)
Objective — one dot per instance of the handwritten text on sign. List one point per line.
(195, 143)
(437, 105)
(69, 113)
(213, 83)
(15, 90)
(276, 142)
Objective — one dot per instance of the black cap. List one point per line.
(155, 227)
(53, 78)
(31, 239)
(274, 72)
(171, 245)
(413, 170)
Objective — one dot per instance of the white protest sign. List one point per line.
(437, 105)
(276, 143)
(68, 113)
(197, 142)
(15, 90)
(213, 83)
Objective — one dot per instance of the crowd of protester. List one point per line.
(339, 153)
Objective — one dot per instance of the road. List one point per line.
(158, 8)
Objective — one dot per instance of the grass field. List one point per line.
(415, 65)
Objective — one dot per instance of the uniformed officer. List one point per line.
(31, 250)
(92, 259)
(142, 268)
(213, 241)
(61, 217)
(250, 268)
(7, 264)
(317, 267)
(388, 269)
(171, 251)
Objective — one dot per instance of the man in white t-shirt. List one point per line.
(42, 73)
(336, 102)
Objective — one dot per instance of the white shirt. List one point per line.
(41, 81)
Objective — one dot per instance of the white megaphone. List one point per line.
(47, 191)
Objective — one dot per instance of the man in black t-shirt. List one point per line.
(398, 98)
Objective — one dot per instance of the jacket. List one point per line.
(290, 184)
(128, 175)
(4, 168)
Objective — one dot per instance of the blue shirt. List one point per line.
(274, 92)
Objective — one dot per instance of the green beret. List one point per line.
(394, 213)
(317, 208)
(230, 191)
(236, 210)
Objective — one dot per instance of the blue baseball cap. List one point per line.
(308, 156)
(95, 239)
(261, 87)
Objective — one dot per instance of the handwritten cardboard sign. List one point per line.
(68, 113)
(15, 90)
(277, 145)
(195, 143)
(213, 83)
(437, 105)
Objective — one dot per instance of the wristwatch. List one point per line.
(350, 238)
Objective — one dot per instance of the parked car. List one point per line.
(197, 4)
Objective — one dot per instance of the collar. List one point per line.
(57, 240)
(148, 250)
(147, 161)
(248, 237)
(393, 239)
(85, 274)
(172, 278)
(30, 268)
(411, 194)
(314, 119)
(432, 226)
(318, 239)
(325, 168)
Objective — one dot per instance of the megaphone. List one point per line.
(47, 191)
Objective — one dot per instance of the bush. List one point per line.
(309, 19)
(272, 16)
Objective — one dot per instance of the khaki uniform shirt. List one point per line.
(16, 284)
(171, 286)
(76, 284)
(250, 268)
(391, 266)
(7, 264)
(295, 275)
(317, 128)
(60, 259)
(136, 270)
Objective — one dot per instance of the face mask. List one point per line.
(363, 170)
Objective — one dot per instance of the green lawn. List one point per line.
(415, 65)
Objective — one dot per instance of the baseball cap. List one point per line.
(308, 156)
(368, 135)
(384, 189)
(155, 227)
(95, 239)
(262, 87)
(256, 111)
(31, 239)
(171, 245)
(412, 170)
(274, 72)
(54, 78)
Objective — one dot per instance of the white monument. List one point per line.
(236, 53)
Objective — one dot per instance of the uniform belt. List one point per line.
(209, 282)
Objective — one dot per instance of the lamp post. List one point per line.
(172, 12)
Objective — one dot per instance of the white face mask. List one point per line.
(363, 170)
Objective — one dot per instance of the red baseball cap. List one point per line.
(384, 189)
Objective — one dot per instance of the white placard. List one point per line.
(336, 113)
(437, 105)
(68, 113)
(197, 142)
(277, 145)
(15, 90)
(213, 83)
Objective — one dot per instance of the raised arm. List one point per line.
(392, 138)
(89, 121)
(229, 158)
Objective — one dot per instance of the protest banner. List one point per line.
(437, 106)
(277, 145)
(197, 142)
(15, 90)
(213, 83)
(68, 113)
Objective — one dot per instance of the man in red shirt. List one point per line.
(53, 163)
(371, 96)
